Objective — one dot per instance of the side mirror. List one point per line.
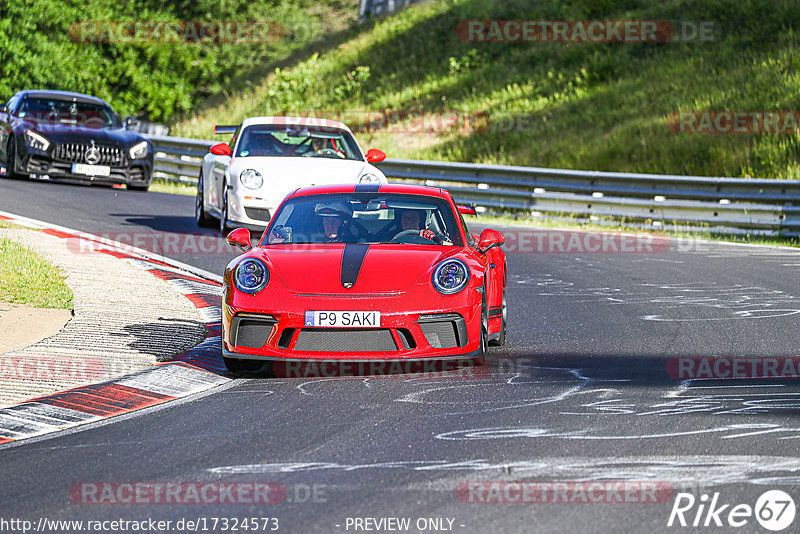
(221, 149)
(490, 239)
(240, 238)
(467, 210)
(131, 123)
(375, 155)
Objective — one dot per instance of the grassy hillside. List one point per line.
(152, 80)
(602, 106)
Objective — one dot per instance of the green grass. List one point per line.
(163, 186)
(577, 106)
(26, 278)
(42, 46)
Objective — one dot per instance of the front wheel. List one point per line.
(11, 160)
(140, 188)
(223, 216)
(484, 348)
(200, 216)
(500, 341)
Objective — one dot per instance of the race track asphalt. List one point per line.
(582, 392)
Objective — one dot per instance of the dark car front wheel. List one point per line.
(11, 160)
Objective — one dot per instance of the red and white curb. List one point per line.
(193, 371)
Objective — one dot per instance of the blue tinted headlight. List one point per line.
(250, 275)
(450, 276)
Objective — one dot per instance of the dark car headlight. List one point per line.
(139, 150)
(36, 140)
(250, 275)
(450, 276)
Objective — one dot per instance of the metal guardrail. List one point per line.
(729, 205)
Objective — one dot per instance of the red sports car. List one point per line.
(364, 272)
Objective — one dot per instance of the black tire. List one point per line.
(141, 188)
(500, 341)
(223, 216)
(484, 348)
(200, 216)
(11, 160)
(247, 367)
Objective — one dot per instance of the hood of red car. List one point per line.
(380, 268)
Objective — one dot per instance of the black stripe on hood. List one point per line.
(352, 258)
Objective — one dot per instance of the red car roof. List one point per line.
(405, 189)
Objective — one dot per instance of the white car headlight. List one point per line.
(35, 140)
(139, 150)
(251, 179)
(369, 178)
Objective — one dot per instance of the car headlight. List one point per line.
(250, 275)
(139, 150)
(36, 140)
(251, 179)
(369, 178)
(450, 276)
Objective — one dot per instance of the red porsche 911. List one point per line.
(364, 272)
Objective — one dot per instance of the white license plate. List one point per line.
(91, 170)
(344, 319)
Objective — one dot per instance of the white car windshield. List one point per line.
(297, 141)
(364, 218)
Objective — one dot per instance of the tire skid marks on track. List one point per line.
(680, 471)
(739, 399)
(677, 302)
(195, 370)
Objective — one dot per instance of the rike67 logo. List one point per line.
(774, 510)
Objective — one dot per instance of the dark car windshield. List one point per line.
(297, 141)
(364, 218)
(69, 112)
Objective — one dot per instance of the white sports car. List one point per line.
(243, 182)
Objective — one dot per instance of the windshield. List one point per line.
(297, 141)
(364, 218)
(69, 112)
